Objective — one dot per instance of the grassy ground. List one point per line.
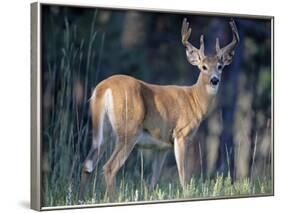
(132, 190)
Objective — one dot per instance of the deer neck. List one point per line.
(203, 96)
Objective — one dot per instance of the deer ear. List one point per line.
(227, 58)
(193, 57)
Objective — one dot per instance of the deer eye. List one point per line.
(219, 66)
(204, 67)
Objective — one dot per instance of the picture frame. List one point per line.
(64, 39)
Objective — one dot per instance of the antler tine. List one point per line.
(186, 31)
(202, 46)
(234, 30)
(217, 45)
(235, 39)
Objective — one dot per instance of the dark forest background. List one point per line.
(82, 46)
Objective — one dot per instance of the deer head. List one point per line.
(210, 66)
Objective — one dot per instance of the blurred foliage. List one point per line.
(83, 46)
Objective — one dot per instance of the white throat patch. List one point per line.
(212, 90)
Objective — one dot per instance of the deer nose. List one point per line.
(214, 81)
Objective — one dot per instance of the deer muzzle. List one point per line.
(214, 81)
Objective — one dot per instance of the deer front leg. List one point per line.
(180, 149)
(157, 166)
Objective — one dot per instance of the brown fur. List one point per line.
(164, 111)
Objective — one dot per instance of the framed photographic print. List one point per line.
(135, 106)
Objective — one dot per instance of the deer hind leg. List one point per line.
(180, 149)
(89, 165)
(157, 166)
(122, 150)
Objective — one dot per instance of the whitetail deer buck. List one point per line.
(154, 116)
